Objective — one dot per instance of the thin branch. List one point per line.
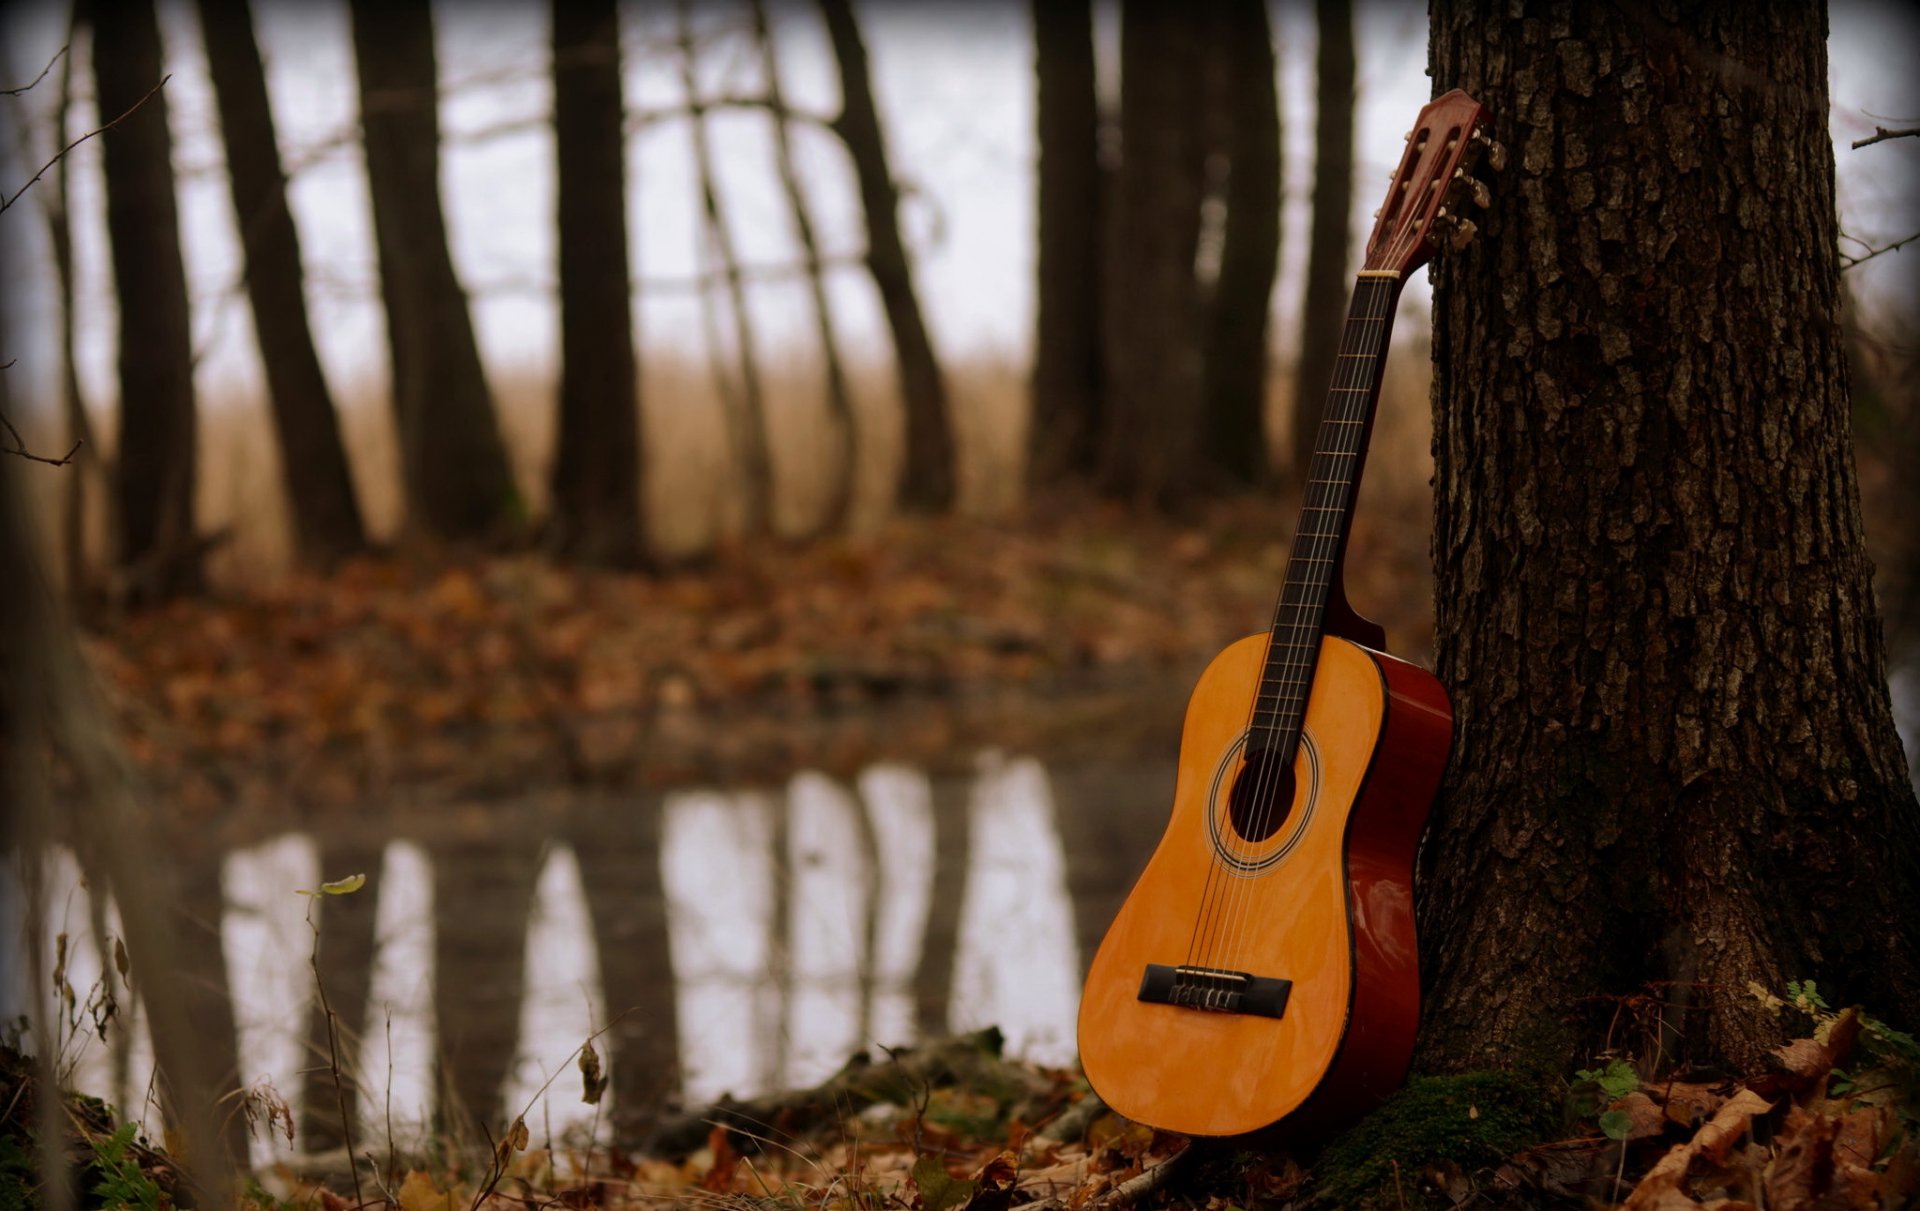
(19, 448)
(62, 153)
(1897, 245)
(28, 87)
(1881, 134)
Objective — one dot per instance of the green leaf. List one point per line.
(1616, 1080)
(939, 1191)
(1616, 1124)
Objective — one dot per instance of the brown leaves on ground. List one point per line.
(396, 669)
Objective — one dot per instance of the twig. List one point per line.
(1881, 134)
(28, 87)
(1896, 246)
(62, 153)
(19, 449)
(333, 1054)
(1130, 1191)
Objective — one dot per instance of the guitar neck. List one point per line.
(1326, 511)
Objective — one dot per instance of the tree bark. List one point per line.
(1063, 436)
(1235, 389)
(927, 478)
(326, 519)
(1675, 755)
(1151, 434)
(596, 472)
(1327, 248)
(156, 460)
(453, 464)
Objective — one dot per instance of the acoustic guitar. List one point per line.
(1264, 966)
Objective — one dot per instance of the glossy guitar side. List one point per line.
(1333, 914)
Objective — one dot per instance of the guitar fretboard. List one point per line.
(1319, 538)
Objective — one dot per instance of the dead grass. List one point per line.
(690, 499)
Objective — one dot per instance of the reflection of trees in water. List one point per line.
(742, 940)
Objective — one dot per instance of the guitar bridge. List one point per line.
(1215, 989)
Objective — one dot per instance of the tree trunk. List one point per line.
(1235, 389)
(326, 520)
(1675, 755)
(1327, 278)
(454, 468)
(596, 471)
(159, 551)
(927, 475)
(1063, 437)
(839, 397)
(1151, 432)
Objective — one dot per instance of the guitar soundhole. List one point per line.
(1262, 796)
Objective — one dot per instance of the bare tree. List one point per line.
(453, 464)
(1234, 392)
(596, 484)
(838, 396)
(1327, 244)
(746, 407)
(159, 552)
(326, 519)
(1066, 387)
(927, 479)
(1150, 433)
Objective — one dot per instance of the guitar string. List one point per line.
(1292, 687)
(1219, 900)
(1220, 883)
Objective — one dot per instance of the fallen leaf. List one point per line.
(1657, 1191)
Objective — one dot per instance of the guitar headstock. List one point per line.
(1433, 185)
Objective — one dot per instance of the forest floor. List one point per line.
(954, 1127)
(920, 641)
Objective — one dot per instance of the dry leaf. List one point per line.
(419, 1193)
(593, 1082)
(1656, 1190)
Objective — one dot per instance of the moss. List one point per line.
(1474, 1120)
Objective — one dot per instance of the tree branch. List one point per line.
(19, 447)
(62, 153)
(28, 87)
(1881, 134)
(1897, 245)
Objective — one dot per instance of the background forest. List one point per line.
(561, 461)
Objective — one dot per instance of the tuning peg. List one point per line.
(1482, 197)
(1376, 214)
(1496, 152)
(1462, 234)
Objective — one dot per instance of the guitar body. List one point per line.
(1324, 902)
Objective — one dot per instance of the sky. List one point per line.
(955, 93)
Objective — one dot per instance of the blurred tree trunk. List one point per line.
(1151, 430)
(596, 472)
(1063, 438)
(1675, 754)
(839, 396)
(1327, 249)
(156, 458)
(326, 520)
(453, 466)
(927, 475)
(1235, 388)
